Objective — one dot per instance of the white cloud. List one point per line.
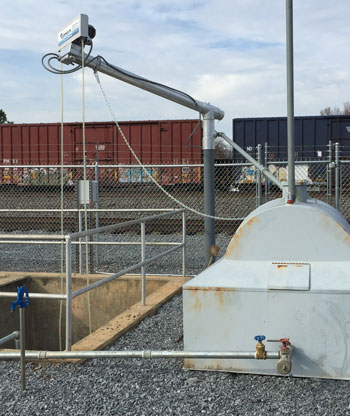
(230, 53)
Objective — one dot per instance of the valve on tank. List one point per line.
(284, 364)
(260, 347)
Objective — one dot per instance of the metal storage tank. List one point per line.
(285, 274)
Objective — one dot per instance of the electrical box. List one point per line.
(87, 192)
(77, 28)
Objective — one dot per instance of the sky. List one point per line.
(230, 53)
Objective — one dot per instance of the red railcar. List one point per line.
(36, 150)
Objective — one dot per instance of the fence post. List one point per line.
(184, 243)
(68, 293)
(329, 174)
(266, 155)
(258, 177)
(80, 221)
(337, 176)
(97, 214)
(143, 255)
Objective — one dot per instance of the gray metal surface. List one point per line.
(290, 99)
(11, 337)
(286, 273)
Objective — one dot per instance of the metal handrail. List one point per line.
(67, 240)
(122, 224)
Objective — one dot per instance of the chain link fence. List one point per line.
(32, 200)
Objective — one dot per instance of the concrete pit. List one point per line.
(115, 308)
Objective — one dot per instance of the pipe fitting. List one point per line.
(260, 353)
(284, 364)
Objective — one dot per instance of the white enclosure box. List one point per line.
(78, 27)
(286, 274)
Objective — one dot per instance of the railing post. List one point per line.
(258, 177)
(143, 255)
(184, 243)
(337, 176)
(68, 293)
(266, 154)
(22, 329)
(329, 174)
(80, 250)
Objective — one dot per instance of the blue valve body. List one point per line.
(259, 337)
(22, 300)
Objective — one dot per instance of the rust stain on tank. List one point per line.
(281, 266)
(197, 303)
(189, 363)
(233, 248)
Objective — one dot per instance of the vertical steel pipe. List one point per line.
(337, 176)
(80, 246)
(329, 174)
(184, 243)
(68, 294)
(97, 214)
(143, 257)
(209, 183)
(290, 100)
(266, 158)
(22, 338)
(258, 177)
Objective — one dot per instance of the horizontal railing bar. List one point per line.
(88, 210)
(123, 224)
(31, 237)
(124, 271)
(298, 162)
(57, 296)
(92, 243)
(11, 337)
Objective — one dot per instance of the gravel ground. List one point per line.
(162, 387)
(153, 387)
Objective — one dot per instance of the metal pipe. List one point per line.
(299, 162)
(97, 243)
(329, 174)
(266, 158)
(69, 296)
(32, 237)
(209, 183)
(290, 100)
(80, 228)
(22, 338)
(143, 257)
(258, 179)
(262, 168)
(123, 224)
(337, 176)
(97, 215)
(97, 64)
(55, 296)
(11, 337)
(144, 354)
(184, 243)
(122, 272)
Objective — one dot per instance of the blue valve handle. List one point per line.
(259, 337)
(22, 300)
